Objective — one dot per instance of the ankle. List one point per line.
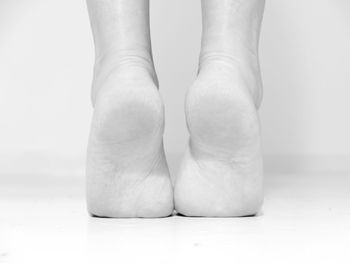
(124, 60)
(122, 66)
(231, 58)
(138, 57)
(238, 73)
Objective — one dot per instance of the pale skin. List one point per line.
(221, 172)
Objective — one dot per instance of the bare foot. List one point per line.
(127, 173)
(221, 173)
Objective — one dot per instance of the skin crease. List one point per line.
(126, 172)
(222, 173)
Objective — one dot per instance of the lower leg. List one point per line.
(231, 31)
(121, 36)
(127, 174)
(221, 174)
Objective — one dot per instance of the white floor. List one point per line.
(306, 218)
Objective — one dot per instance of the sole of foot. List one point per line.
(221, 174)
(127, 173)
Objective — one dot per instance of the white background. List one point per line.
(46, 60)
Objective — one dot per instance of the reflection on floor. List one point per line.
(306, 218)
